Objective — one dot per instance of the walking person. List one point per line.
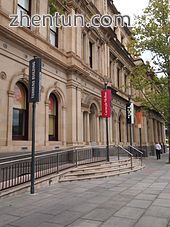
(158, 150)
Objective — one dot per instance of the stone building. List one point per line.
(76, 62)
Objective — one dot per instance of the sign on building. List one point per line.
(34, 80)
(106, 103)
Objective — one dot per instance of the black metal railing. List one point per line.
(136, 152)
(16, 172)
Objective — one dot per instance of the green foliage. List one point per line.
(54, 6)
(152, 32)
(153, 91)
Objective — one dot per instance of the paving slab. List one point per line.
(149, 221)
(98, 214)
(157, 211)
(118, 222)
(144, 196)
(139, 203)
(130, 212)
(65, 218)
(162, 202)
(85, 223)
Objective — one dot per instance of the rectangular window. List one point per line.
(84, 47)
(118, 77)
(18, 125)
(126, 83)
(54, 36)
(52, 123)
(24, 6)
(99, 59)
(91, 54)
(53, 29)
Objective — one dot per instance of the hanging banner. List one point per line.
(34, 80)
(139, 119)
(106, 103)
(130, 113)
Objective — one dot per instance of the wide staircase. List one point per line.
(103, 169)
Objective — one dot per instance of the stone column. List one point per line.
(154, 131)
(10, 117)
(108, 60)
(46, 140)
(79, 115)
(88, 129)
(144, 131)
(110, 129)
(72, 114)
(63, 126)
(151, 131)
(116, 132)
(99, 60)
(97, 130)
(163, 132)
(102, 59)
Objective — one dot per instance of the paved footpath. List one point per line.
(140, 199)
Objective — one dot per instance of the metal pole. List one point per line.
(33, 149)
(140, 137)
(107, 134)
(130, 125)
(107, 139)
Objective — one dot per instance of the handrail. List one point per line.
(126, 150)
(15, 172)
(131, 155)
(136, 149)
(38, 153)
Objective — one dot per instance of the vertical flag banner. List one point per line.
(34, 80)
(106, 103)
(130, 112)
(139, 119)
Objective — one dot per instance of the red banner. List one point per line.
(106, 103)
(139, 119)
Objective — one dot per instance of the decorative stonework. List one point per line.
(5, 45)
(56, 84)
(3, 75)
(42, 89)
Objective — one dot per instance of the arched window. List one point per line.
(20, 113)
(53, 118)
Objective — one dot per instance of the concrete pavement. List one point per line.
(140, 199)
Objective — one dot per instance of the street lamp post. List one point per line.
(130, 119)
(107, 95)
(107, 132)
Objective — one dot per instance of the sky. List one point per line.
(132, 8)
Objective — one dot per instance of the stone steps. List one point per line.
(100, 170)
